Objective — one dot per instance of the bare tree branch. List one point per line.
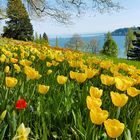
(63, 10)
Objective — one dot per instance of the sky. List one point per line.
(96, 23)
(93, 23)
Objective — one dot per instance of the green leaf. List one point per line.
(3, 133)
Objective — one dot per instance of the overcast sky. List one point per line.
(128, 17)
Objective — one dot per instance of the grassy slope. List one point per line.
(122, 60)
(115, 60)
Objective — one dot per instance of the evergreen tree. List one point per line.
(56, 42)
(110, 47)
(36, 36)
(45, 38)
(134, 53)
(18, 26)
(128, 40)
(40, 37)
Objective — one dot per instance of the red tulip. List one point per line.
(21, 104)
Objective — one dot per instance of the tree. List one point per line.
(134, 53)
(18, 25)
(110, 47)
(40, 37)
(2, 16)
(93, 46)
(2, 11)
(56, 42)
(75, 42)
(128, 40)
(45, 37)
(36, 36)
(63, 10)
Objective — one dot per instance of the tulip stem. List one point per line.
(6, 98)
(118, 112)
(94, 136)
(135, 120)
(7, 92)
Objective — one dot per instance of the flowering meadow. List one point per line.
(58, 94)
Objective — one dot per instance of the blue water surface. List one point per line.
(120, 40)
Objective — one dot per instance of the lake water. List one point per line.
(120, 40)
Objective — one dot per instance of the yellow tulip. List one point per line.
(138, 71)
(22, 55)
(8, 53)
(118, 100)
(2, 116)
(123, 83)
(132, 91)
(15, 55)
(135, 76)
(84, 67)
(132, 70)
(42, 56)
(107, 80)
(75, 63)
(98, 116)
(93, 60)
(43, 89)
(93, 102)
(123, 66)
(11, 82)
(49, 72)
(137, 80)
(91, 73)
(32, 57)
(106, 64)
(22, 133)
(54, 63)
(95, 92)
(2, 58)
(17, 68)
(14, 60)
(114, 69)
(113, 128)
(31, 73)
(7, 60)
(72, 74)
(59, 58)
(49, 64)
(80, 77)
(61, 79)
(25, 62)
(7, 69)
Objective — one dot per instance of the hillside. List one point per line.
(54, 93)
(121, 31)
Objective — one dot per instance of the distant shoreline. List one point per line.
(70, 35)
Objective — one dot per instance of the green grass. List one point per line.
(121, 60)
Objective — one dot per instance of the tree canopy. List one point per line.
(128, 40)
(134, 52)
(94, 45)
(18, 25)
(110, 47)
(63, 10)
(75, 42)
